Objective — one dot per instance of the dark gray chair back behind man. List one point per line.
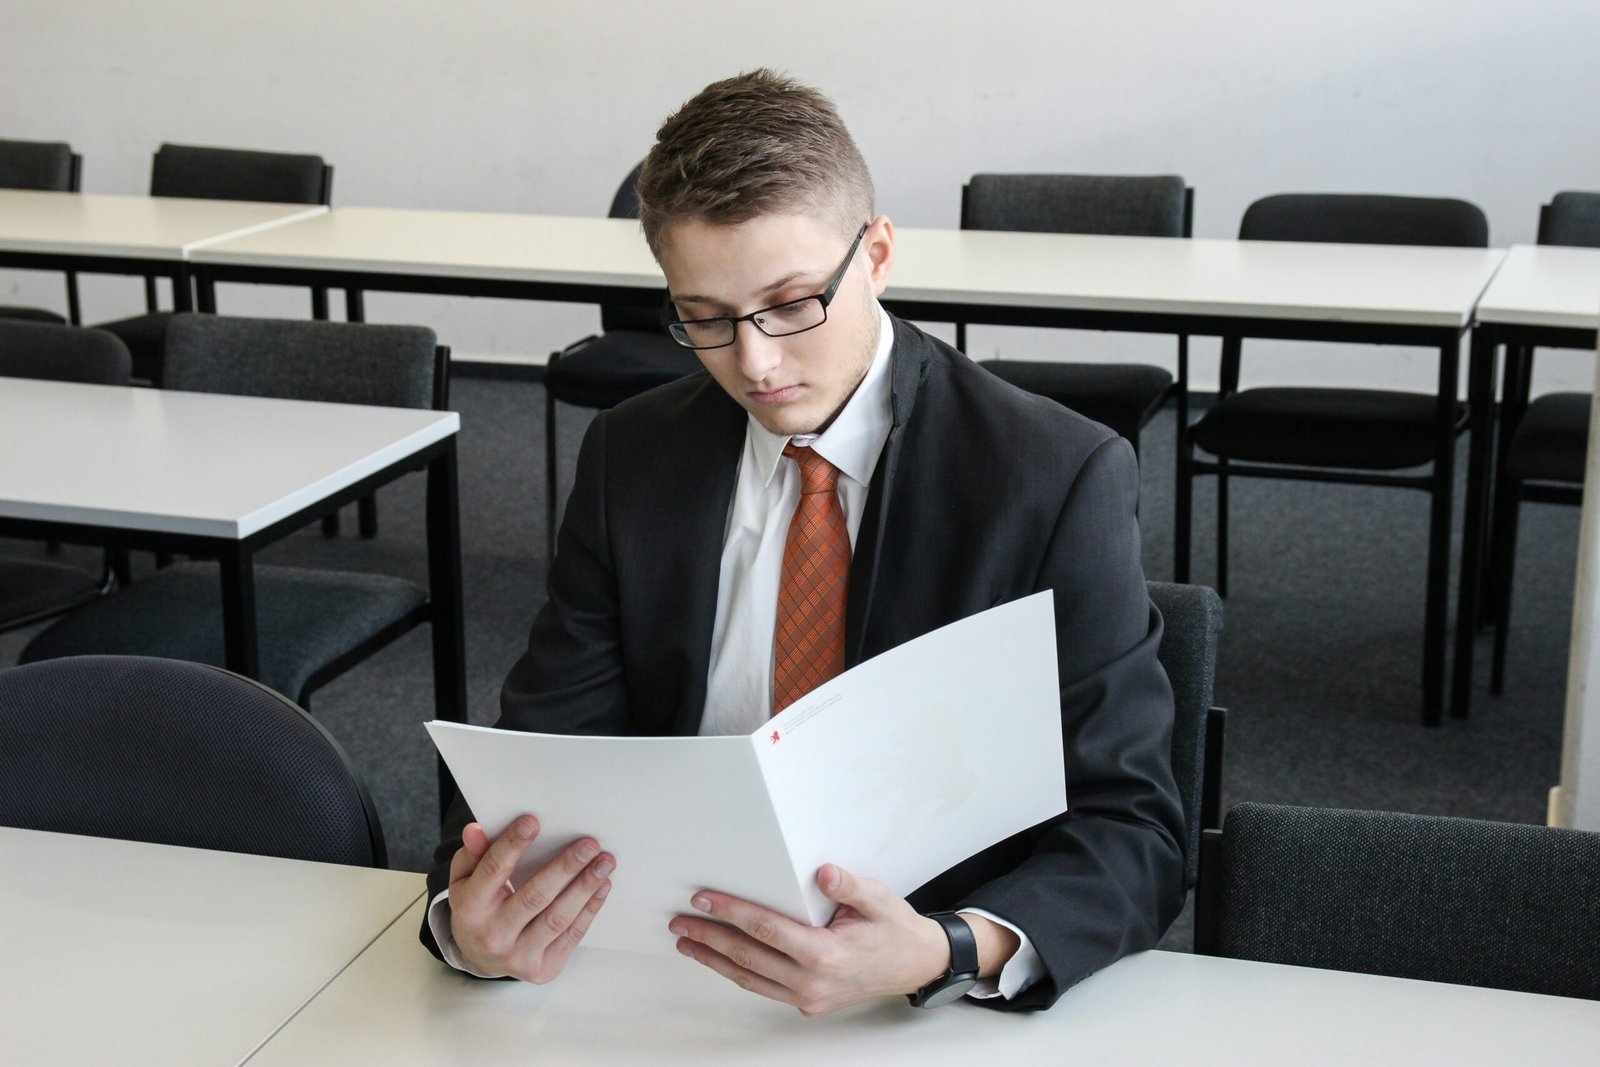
(1506, 905)
(179, 754)
(44, 166)
(1192, 618)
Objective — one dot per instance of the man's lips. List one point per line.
(775, 396)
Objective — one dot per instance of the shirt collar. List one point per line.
(856, 436)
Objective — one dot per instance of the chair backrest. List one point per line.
(47, 165)
(238, 174)
(1358, 218)
(62, 353)
(1571, 219)
(294, 359)
(1192, 619)
(1414, 896)
(177, 753)
(1155, 206)
(643, 314)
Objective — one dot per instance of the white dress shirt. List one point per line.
(739, 685)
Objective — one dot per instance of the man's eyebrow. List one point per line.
(787, 279)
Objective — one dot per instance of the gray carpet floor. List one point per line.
(1319, 667)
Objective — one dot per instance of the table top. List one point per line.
(189, 463)
(453, 244)
(139, 227)
(131, 953)
(396, 1005)
(1382, 284)
(1545, 285)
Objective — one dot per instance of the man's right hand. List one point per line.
(528, 933)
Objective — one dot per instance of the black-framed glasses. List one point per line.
(780, 320)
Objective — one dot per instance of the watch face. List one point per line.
(960, 986)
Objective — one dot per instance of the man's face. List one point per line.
(793, 384)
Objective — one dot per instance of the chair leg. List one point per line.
(1502, 566)
(1183, 492)
(550, 475)
(1222, 527)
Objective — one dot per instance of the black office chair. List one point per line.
(1123, 396)
(313, 624)
(31, 589)
(219, 174)
(1192, 615)
(1543, 443)
(631, 354)
(178, 754)
(1505, 905)
(1347, 436)
(50, 166)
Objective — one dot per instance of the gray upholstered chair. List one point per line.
(313, 624)
(34, 589)
(1123, 396)
(632, 353)
(1360, 436)
(219, 174)
(1505, 905)
(48, 166)
(1543, 443)
(178, 754)
(1192, 615)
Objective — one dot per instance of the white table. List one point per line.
(396, 1005)
(1541, 296)
(1360, 293)
(127, 234)
(130, 953)
(222, 476)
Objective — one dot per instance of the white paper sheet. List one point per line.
(896, 770)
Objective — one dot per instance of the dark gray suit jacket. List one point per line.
(983, 494)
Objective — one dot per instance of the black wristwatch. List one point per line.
(963, 973)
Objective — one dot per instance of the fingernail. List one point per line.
(683, 947)
(678, 928)
(701, 902)
(586, 853)
(605, 888)
(524, 828)
(603, 867)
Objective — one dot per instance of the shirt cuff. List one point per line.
(439, 924)
(1022, 970)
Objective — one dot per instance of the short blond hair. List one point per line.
(755, 144)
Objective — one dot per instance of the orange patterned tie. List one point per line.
(808, 646)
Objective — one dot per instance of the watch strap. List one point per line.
(963, 970)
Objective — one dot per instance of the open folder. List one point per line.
(897, 770)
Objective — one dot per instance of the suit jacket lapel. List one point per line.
(908, 366)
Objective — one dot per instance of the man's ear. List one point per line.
(879, 247)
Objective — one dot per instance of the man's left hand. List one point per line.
(876, 945)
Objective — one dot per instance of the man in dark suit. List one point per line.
(838, 484)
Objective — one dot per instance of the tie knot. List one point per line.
(817, 475)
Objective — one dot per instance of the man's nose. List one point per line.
(758, 354)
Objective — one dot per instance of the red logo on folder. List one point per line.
(774, 737)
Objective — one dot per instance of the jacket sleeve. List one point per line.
(1106, 878)
(570, 679)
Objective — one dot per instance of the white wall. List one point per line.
(542, 107)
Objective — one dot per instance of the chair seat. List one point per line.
(145, 335)
(31, 589)
(305, 619)
(1363, 429)
(608, 369)
(1122, 396)
(9, 311)
(1551, 440)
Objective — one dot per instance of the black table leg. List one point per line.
(1480, 456)
(239, 614)
(444, 594)
(205, 291)
(182, 289)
